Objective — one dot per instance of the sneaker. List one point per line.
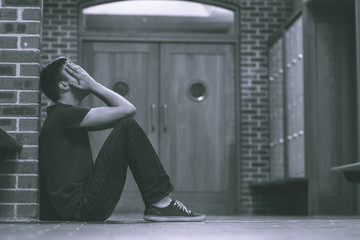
(175, 212)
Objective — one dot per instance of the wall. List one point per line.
(259, 20)
(20, 57)
(60, 24)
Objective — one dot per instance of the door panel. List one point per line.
(197, 136)
(135, 65)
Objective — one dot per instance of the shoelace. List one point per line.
(182, 207)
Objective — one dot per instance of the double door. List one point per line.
(185, 96)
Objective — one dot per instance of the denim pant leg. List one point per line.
(127, 145)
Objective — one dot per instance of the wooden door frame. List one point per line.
(187, 39)
(339, 195)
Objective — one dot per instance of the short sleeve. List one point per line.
(71, 117)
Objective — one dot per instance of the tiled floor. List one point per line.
(215, 227)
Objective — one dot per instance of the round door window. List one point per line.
(197, 91)
(121, 88)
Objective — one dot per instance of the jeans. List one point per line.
(127, 145)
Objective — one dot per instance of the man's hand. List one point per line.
(99, 117)
(84, 82)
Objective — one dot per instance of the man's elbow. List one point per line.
(132, 111)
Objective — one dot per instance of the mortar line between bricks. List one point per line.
(19, 35)
(18, 44)
(30, 204)
(35, 118)
(19, 189)
(16, 181)
(14, 7)
(26, 160)
(29, 63)
(19, 104)
(18, 131)
(16, 90)
(19, 174)
(25, 189)
(8, 90)
(20, 91)
(29, 77)
(20, 21)
(18, 66)
(20, 49)
(24, 90)
(20, 13)
(21, 160)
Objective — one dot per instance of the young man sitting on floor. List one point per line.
(75, 188)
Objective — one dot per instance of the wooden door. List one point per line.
(194, 139)
(198, 123)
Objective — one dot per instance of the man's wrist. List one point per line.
(95, 86)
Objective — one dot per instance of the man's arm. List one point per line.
(100, 117)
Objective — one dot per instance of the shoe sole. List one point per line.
(153, 218)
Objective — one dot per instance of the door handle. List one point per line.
(165, 116)
(153, 108)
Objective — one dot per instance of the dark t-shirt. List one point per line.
(65, 157)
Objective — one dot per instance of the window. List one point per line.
(158, 16)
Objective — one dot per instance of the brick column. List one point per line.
(259, 19)
(20, 57)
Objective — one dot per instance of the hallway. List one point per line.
(215, 227)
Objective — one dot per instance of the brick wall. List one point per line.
(259, 19)
(60, 35)
(20, 57)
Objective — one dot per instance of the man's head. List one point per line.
(52, 76)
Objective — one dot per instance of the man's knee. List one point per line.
(127, 122)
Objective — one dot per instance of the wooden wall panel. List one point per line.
(277, 164)
(327, 151)
(294, 100)
(330, 106)
(357, 21)
(357, 25)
